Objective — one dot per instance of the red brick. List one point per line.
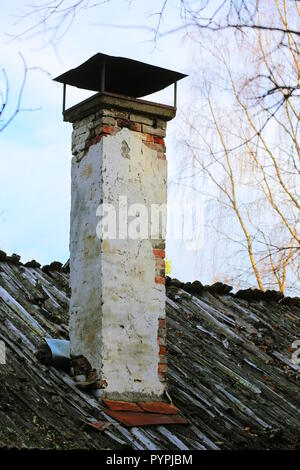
(157, 147)
(162, 323)
(109, 129)
(159, 253)
(160, 280)
(158, 140)
(134, 126)
(148, 138)
(162, 368)
(162, 350)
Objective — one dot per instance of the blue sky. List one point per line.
(35, 150)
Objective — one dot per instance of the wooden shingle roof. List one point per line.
(229, 369)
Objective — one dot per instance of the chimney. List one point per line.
(117, 248)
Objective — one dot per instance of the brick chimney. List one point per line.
(117, 311)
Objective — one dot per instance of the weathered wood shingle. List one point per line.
(229, 370)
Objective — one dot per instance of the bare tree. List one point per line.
(8, 115)
(244, 137)
(5, 96)
(57, 16)
(52, 18)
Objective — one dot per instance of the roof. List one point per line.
(229, 369)
(123, 76)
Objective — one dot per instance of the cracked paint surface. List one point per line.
(116, 303)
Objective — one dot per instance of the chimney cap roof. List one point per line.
(123, 76)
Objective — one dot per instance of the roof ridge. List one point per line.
(251, 294)
(16, 260)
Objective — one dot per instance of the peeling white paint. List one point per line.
(116, 304)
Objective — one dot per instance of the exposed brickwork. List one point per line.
(158, 140)
(161, 340)
(90, 130)
(159, 148)
(162, 368)
(156, 131)
(147, 137)
(159, 253)
(142, 119)
(158, 244)
(134, 126)
(162, 358)
(160, 271)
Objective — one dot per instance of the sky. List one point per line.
(35, 149)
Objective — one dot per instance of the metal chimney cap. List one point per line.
(119, 75)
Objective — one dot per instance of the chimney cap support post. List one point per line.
(64, 97)
(102, 84)
(175, 95)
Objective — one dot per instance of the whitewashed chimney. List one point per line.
(117, 311)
